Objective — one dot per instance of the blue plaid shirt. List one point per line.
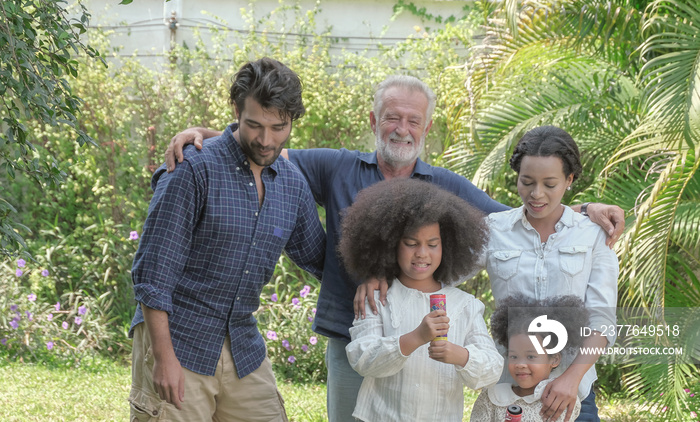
(208, 248)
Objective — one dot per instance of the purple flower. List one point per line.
(273, 297)
(295, 302)
(64, 325)
(14, 324)
(311, 319)
(57, 306)
(304, 347)
(687, 390)
(49, 345)
(271, 335)
(78, 320)
(692, 394)
(49, 317)
(292, 359)
(13, 308)
(313, 311)
(19, 273)
(285, 344)
(29, 316)
(45, 273)
(31, 297)
(4, 342)
(134, 235)
(305, 291)
(21, 263)
(693, 415)
(82, 310)
(313, 340)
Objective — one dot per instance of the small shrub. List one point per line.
(288, 307)
(38, 327)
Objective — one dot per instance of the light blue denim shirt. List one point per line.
(573, 261)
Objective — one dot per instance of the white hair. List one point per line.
(407, 82)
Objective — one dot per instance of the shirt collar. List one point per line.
(503, 394)
(237, 151)
(421, 168)
(518, 215)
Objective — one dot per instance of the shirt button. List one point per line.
(254, 243)
(256, 214)
(238, 169)
(246, 271)
(238, 298)
(245, 162)
(250, 184)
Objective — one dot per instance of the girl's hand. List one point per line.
(559, 396)
(435, 324)
(446, 352)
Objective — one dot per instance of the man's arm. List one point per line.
(610, 217)
(168, 376)
(193, 135)
(307, 243)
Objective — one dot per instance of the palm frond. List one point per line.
(672, 75)
(644, 247)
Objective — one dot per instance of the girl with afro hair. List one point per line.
(531, 370)
(422, 239)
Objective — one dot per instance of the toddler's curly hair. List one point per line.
(515, 313)
(385, 212)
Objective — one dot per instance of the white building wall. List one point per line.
(141, 28)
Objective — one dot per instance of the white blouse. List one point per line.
(573, 261)
(416, 387)
(492, 403)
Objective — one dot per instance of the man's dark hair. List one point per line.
(515, 313)
(272, 84)
(548, 141)
(386, 211)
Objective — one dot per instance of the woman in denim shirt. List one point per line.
(544, 249)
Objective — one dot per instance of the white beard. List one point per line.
(397, 156)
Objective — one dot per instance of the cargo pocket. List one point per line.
(144, 407)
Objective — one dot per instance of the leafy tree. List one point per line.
(623, 77)
(38, 44)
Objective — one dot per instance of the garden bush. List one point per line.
(82, 230)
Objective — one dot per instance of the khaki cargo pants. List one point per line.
(223, 397)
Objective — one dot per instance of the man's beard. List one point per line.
(398, 156)
(252, 151)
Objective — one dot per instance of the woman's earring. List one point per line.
(568, 188)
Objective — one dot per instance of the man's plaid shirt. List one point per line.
(208, 248)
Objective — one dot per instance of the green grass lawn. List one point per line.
(38, 393)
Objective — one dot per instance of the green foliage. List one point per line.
(81, 232)
(288, 307)
(624, 82)
(37, 45)
(37, 327)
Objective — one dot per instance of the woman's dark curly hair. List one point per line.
(515, 313)
(548, 141)
(385, 212)
(272, 84)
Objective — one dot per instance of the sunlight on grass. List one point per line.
(38, 393)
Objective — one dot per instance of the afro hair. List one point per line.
(385, 212)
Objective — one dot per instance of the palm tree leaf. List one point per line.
(672, 75)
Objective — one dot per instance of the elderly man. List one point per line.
(401, 119)
(215, 229)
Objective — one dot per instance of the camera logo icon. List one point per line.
(543, 325)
